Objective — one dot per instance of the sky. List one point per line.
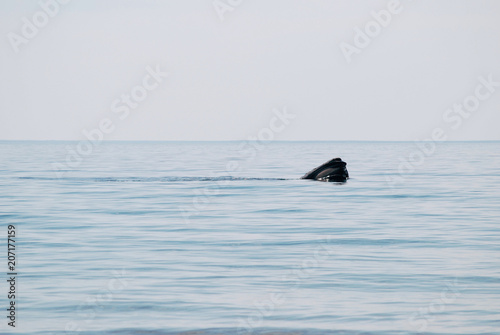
(233, 69)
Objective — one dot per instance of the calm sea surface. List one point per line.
(223, 238)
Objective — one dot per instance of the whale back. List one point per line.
(334, 170)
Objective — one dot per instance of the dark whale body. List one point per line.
(334, 171)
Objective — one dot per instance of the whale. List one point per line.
(332, 171)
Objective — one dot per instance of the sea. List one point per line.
(225, 238)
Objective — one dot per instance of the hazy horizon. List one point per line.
(269, 141)
(269, 70)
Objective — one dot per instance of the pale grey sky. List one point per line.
(231, 62)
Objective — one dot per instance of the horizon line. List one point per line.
(266, 141)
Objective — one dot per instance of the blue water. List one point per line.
(224, 238)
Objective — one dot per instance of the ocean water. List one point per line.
(224, 238)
